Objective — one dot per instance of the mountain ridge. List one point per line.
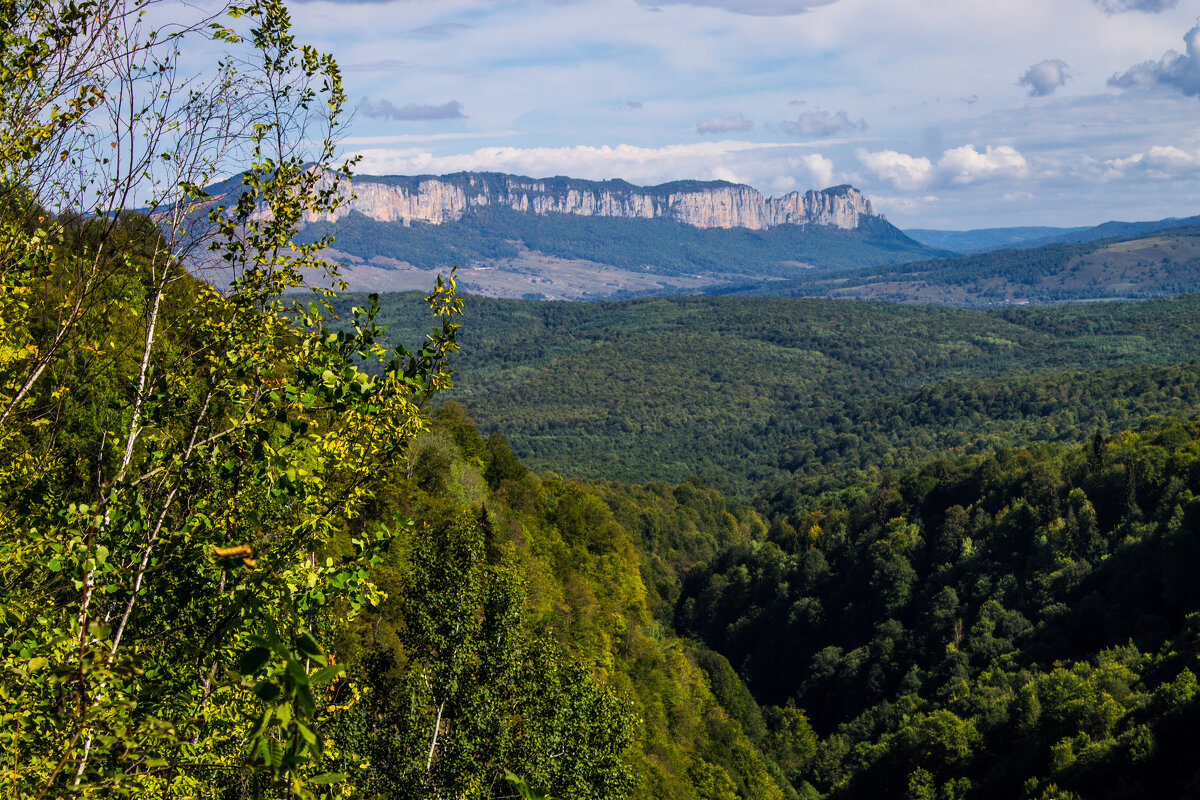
(437, 199)
(982, 240)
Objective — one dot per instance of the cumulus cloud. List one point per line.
(816, 168)
(384, 109)
(1121, 6)
(819, 124)
(1174, 70)
(960, 166)
(903, 172)
(1162, 163)
(1044, 77)
(756, 8)
(728, 124)
(965, 165)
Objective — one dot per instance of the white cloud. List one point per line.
(901, 171)
(1161, 162)
(1173, 70)
(960, 166)
(965, 165)
(1044, 77)
(816, 167)
(735, 122)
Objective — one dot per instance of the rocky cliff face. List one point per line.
(714, 204)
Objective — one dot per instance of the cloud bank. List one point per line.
(1174, 70)
(1044, 77)
(384, 109)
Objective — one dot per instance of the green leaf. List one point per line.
(252, 660)
(267, 691)
(307, 734)
(326, 674)
(308, 645)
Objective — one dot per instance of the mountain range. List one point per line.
(981, 240)
(440, 199)
(564, 238)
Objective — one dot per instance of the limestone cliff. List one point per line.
(711, 204)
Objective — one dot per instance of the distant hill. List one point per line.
(984, 239)
(563, 238)
(1158, 264)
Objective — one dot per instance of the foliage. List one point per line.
(588, 672)
(1020, 624)
(176, 461)
(748, 393)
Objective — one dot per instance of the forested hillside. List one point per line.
(1122, 267)
(1018, 624)
(493, 237)
(745, 392)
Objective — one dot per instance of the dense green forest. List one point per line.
(1016, 624)
(741, 393)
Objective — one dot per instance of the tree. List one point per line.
(177, 464)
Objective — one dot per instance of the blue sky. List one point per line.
(947, 113)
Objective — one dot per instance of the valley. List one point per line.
(745, 392)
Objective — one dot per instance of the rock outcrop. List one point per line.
(703, 204)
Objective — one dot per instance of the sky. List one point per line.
(949, 114)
